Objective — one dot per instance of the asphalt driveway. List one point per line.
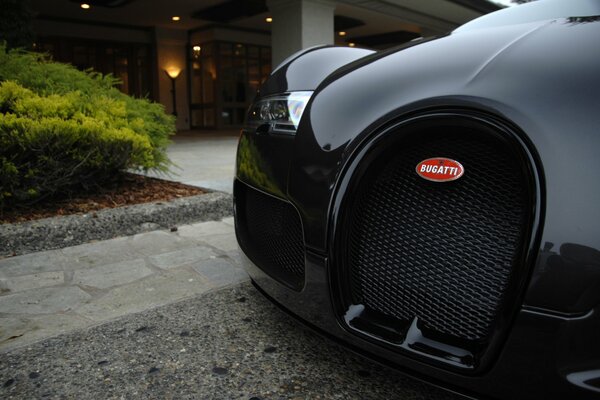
(228, 344)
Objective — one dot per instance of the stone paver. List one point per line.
(33, 263)
(106, 276)
(220, 271)
(145, 294)
(50, 300)
(207, 229)
(221, 242)
(14, 329)
(182, 257)
(26, 282)
(105, 252)
(51, 292)
(158, 242)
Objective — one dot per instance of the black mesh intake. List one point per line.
(270, 233)
(443, 253)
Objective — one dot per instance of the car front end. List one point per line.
(434, 207)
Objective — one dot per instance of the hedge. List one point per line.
(63, 130)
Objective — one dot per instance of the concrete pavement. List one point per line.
(205, 159)
(52, 292)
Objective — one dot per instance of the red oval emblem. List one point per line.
(440, 169)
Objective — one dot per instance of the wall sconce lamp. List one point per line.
(196, 51)
(173, 73)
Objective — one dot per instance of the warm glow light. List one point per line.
(342, 33)
(351, 44)
(175, 18)
(269, 19)
(173, 72)
(196, 51)
(85, 6)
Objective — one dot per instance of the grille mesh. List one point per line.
(270, 233)
(441, 252)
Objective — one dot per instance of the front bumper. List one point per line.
(544, 356)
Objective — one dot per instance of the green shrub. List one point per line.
(63, 130)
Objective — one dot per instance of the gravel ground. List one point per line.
(71, 230)
(229, 344)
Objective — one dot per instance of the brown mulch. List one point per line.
(131, 189)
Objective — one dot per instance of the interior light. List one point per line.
(173, 72)
(85, 6)
(351, 44)
(342, 33)
(196, 51)
(176, 18)
(269, 19)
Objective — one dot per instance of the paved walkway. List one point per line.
(203, 158)
(48, 293)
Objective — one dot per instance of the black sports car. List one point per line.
(437, 206)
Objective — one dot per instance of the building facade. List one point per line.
(205, 59)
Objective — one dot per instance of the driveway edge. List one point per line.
(71, 230)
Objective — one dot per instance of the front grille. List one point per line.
(270, 233)
(441, 254)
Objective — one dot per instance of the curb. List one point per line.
(71, 230)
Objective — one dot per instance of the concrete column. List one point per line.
(298, 24)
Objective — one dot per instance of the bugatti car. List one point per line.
(436, 206)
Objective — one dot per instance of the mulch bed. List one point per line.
(131, 189)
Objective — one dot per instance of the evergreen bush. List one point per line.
(63, 130)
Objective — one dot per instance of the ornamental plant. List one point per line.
(64, 130)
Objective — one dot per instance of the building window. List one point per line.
(225, 77)
(131, 63)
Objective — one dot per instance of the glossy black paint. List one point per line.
(306, 69)
(538, 78)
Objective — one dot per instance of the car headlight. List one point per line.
(279, 113)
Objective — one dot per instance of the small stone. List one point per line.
(103, 362)
(34, 375)
(254, 398)
(9, 382)
(142, 329)
(247, 319)
(153, 370)
(184, 333)
(270, 349)
(220, 370)
(241, 300)
(174, 229)
(94, 215)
